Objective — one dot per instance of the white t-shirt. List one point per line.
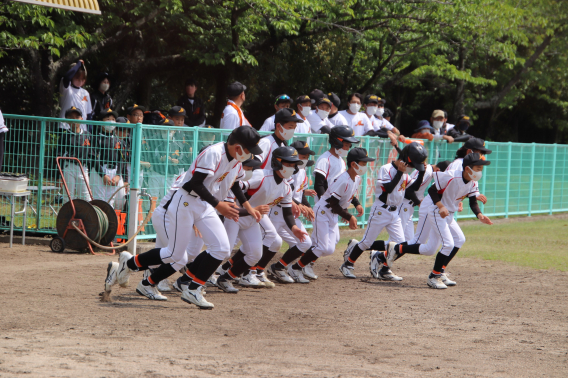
(385, 175)
(3, 127)
(268, 124)
(233, 117)
(428, 174)
(359, 122)
(213, 161)
(263, 189)
(453, 189)
(343, 188)
(77, 97)
(329, 166)
(303, 128)
(338, 119)
(316, 123)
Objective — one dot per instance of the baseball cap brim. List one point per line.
(310, 163)
(418, 166)
(485, 151)
(305, 151)
(351, 140)
(366, 158)
(70, 111)
(255, 150)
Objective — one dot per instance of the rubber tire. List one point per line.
(57, 244)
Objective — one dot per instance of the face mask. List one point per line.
(371, 110)
(248, 176)
(109, 128)
(463, 126)
(341, 152)
(287, 172)
(360, 170)
(409, 170)
(380, 111)
(305, 111)
(104, 87)
(286, 134)
(242, 157)
(323, 114)
(304, 163)
(475, 176)
(354, 107)
(438, 124)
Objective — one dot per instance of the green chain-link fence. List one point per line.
(523, 179)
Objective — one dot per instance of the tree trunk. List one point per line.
(460, 88)
(220, 95)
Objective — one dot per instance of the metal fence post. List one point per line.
(533, 155)
(555, 149)
(40, 172)
(195, 140)
(483, 182)
(134, 185)
(508, 180)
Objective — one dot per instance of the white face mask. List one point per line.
(248, 176)
(474, 175)
(409, 170)
(304, 164)
(371, 110)
(286, 134)
(287, 172)
(323, 114)
(305, 111)
(104, 87)
(242, 157)
(360, 169)
(438, 124)
(354, 107)
(109, 128)
(341, 152)
(380, 111)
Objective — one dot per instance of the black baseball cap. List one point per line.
(282, 98)
(316, 95)
(286, 115)
(122, 120)
(358, 154)
(371, 99)
(177, 111)
(73, 110)
(324, 100)
(166, 122)
(474, 159)
(443, 165)
(334, 99)
(302, 98)
(106, 113)
(247, 137)
(302, 147)
(235, 89)
(252, 162)
(135, 107)
(477, 144)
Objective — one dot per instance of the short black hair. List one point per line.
(191, 81)
(358, 95)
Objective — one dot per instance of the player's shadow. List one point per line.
(390, 284)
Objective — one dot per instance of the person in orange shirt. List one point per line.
(423, 131)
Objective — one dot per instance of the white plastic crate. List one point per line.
(13, 186)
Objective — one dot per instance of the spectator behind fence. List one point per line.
(282, 101)
(109, 169)
(423, 131)
(76, 143)
(72, 93)
(193, 105)
(334, 116)
(318, 117)
(135, 114)
(459, 131)
(358, 121)
(100, 99)
(440, 131)
(3, 131)
(388, 114)
(233, 116)
(303, 104)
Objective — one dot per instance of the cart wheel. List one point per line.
(57, 244)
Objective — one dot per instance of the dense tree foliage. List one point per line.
(502, 62)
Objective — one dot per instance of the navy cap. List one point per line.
(122, 120)
(474, 159)
(252, 162)
(316, 95)
(358, 154)
(286, 115)
(106, 113)
(443, 165)
(302, 98)
(177, 111)
(235, 89)
(324, 100)
(247, 137)
(73, 110)
(372, 99)
(423, 125)
(166, 122)
(334, 99)
(477, 144)
(302, 147)
(135, 107)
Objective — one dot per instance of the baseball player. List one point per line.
(233, 116)
(75, 142)
(266, 187)
(303, 105)
(332, 204)
(194, 204)
(449, 189)
(319, 117)
(392, 181)
(73, 94)
(282, 270)
(282, 101)
(285, 121)
(360, 123)
(335, 117)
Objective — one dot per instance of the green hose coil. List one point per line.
(103, 223)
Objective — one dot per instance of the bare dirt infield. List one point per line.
(500, 321)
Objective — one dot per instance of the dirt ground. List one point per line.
(500, 321)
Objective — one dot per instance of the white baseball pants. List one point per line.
(277, 219)
(382, 218)
(445, 231)
(325, 233)
(251, 237)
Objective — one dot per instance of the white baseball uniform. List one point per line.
(359, 122)
(316, 123)
(325, 234)
(303, 128)
(73, 96)
(381, 123)
(268, 124)
(406, 210)
(233, 117)
(337, 119)
(456, 165)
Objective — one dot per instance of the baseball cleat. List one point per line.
(280, 274)
(263, 279)
(347, 271)
(150, 292)
(212, 281)
(375, 264)
(388, 275)
(220, 271)
(390, 254)
(196, 297)
(180, 285)
(435, 281)
(297, 275)
(350, 245)
(308, 271)
(447, 281)
(123, 269)
(226, 285)
(112, 271)
(164, 285)
(250, 280)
